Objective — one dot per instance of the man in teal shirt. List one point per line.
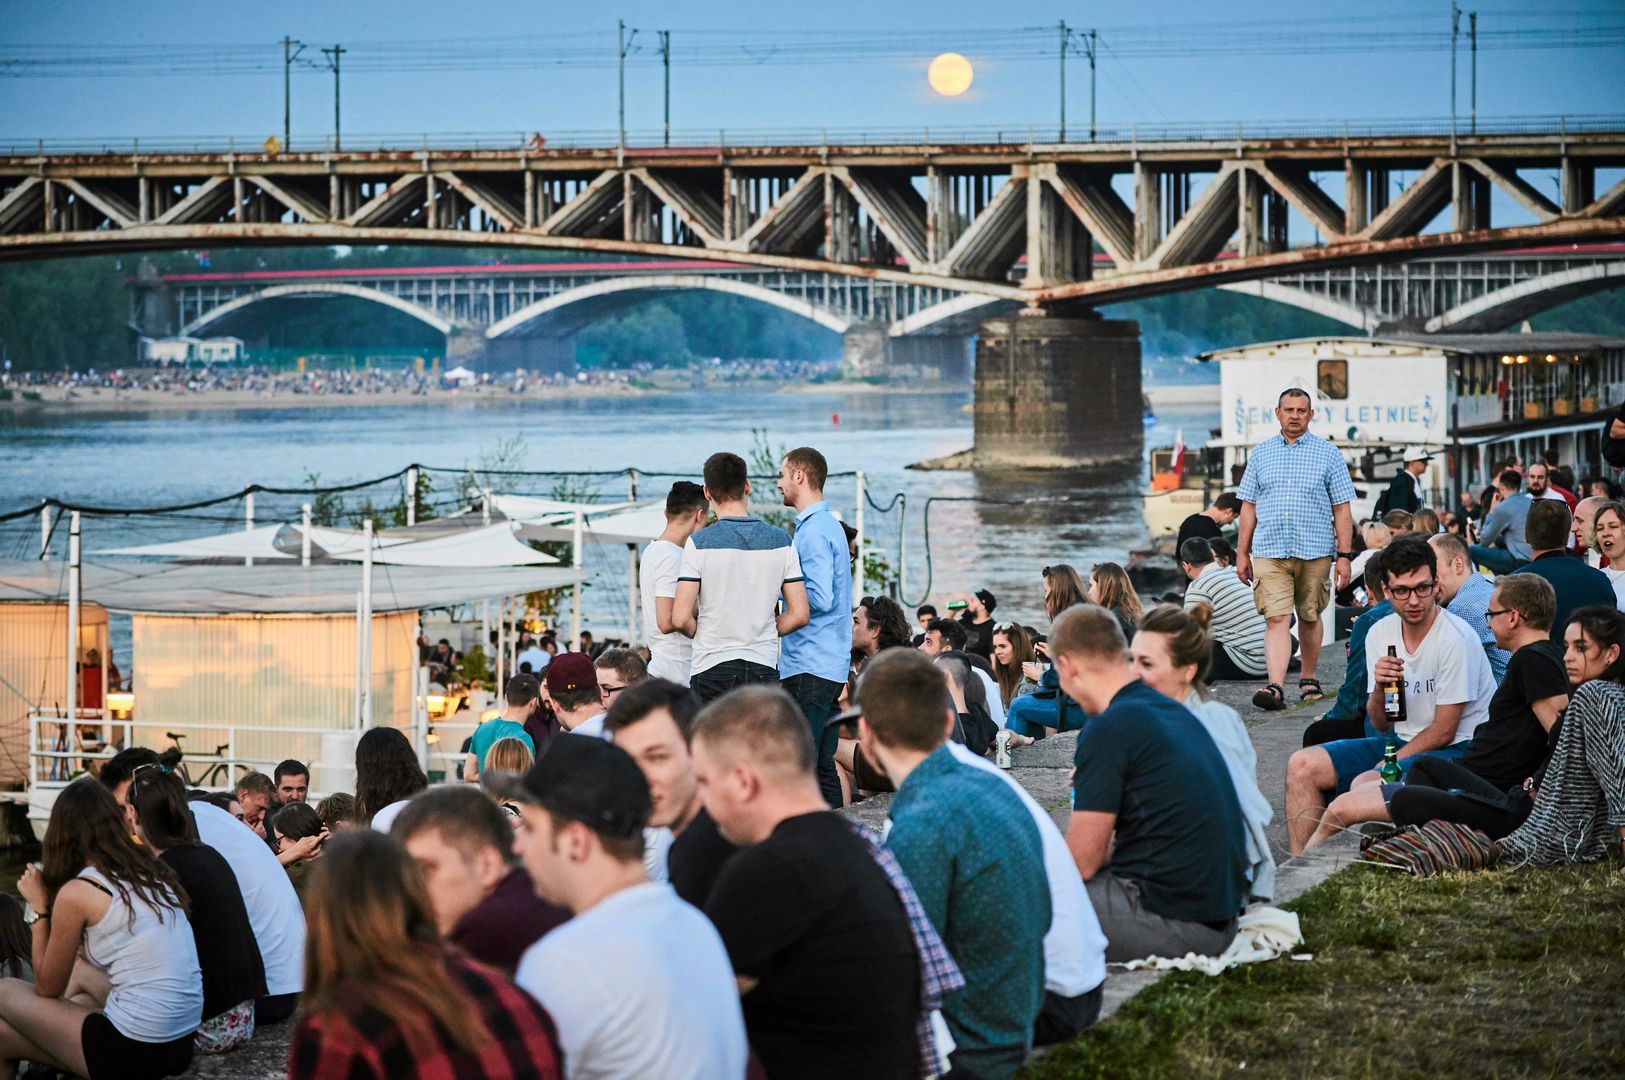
(523, 693)
(975, 859)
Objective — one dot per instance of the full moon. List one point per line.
(950, 74)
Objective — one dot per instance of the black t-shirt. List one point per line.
(1510, 744)
(1197, 524)
(978, 636)
(811, 916)
(695, 859)
(1149, 760)
(226, 950)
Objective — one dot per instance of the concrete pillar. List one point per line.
(1057, 392)
(549, 354)
(465, 348)
(933, 358)
(866, 351)
(153, 308)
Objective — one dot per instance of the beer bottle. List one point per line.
(1390, 761)
(1393, 712)
(1393, 697)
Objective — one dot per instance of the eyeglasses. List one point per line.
(1490, 613)
(1003, 626)
(611, 691)
(1405, 592)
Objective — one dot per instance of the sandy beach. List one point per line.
(62, 399)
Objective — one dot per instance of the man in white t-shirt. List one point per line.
(1447, 686)
(728, 591)
(638, 983)
(662, 563)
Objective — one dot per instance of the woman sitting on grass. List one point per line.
(1579, 795)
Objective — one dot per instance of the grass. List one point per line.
(1490, 975)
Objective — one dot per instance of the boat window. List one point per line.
(1333, 378)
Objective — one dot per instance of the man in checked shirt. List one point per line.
(1296, 530)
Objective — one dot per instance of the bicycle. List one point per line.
(214, 774)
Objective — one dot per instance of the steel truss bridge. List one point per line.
(1012, 223)
(1461, 294)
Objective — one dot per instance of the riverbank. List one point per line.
(59, 399)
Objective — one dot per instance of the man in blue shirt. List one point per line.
(1501, 546)
(1465, 593)
(974, 856)
(1296, 530)
(1156, 828)
(814, 660)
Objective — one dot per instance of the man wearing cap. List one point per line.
(523, 693)
(638, 982)
(1405, 489)
(572, 687)
(977, 618)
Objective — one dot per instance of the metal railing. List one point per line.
(653, 141)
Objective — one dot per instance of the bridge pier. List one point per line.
(1057, 391)
(550, 355)
(869, 351)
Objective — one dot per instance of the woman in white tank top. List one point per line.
(129, 1012)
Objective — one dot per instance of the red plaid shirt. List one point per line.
(367, 1044)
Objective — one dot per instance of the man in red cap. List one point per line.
(572, 687)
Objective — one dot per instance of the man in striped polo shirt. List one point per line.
(1236, 627)
(728, 589)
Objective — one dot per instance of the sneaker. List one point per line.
(1001, 748)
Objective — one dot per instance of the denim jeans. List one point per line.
(714, 681)
(1498, 560)
(816, 698)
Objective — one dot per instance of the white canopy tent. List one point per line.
(486, 546)
(259, 542)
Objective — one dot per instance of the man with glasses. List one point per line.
(1447, 687)
(1485, 788)
(617, 669)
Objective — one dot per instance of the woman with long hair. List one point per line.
(1046, 710)
(233, 972)
(1063, 587)
(385, 998)
(1578, 805)
(130, 1010)
(1171, 652)
(1012, 648)
(386, 775)
(1110, 587)
(297, 835)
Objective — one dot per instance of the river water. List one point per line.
(1020, 523)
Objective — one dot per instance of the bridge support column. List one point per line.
(465, 348)
(550, 355)
(865, 351)
(1057, 391)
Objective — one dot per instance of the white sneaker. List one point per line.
(1001, 748)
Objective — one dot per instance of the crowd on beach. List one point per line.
(639, 873)
(258, 381)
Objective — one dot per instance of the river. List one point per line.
(1022, 522)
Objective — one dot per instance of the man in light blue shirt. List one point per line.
(814, 660)
(1501, 546)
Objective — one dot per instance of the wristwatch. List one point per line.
(35, 916)
(1345, 555)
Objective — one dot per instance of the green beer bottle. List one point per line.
(1390, 761)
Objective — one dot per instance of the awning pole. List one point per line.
(358, 679)
(248, 522)
(44, 531)
(502, 646)
(366, 625)
(575, 561)
(485, 506)
(304, 540)
(73, 616)
(412, 496)
(634, 600)
(420, 700)
(857, 523)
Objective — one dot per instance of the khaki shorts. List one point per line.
(1282, 586)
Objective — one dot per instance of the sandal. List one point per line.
(1310, 690)
(1272, 698)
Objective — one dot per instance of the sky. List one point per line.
(1367, 81)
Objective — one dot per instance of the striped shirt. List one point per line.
(1294, 486)
(1236, 623)
(741, 564)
